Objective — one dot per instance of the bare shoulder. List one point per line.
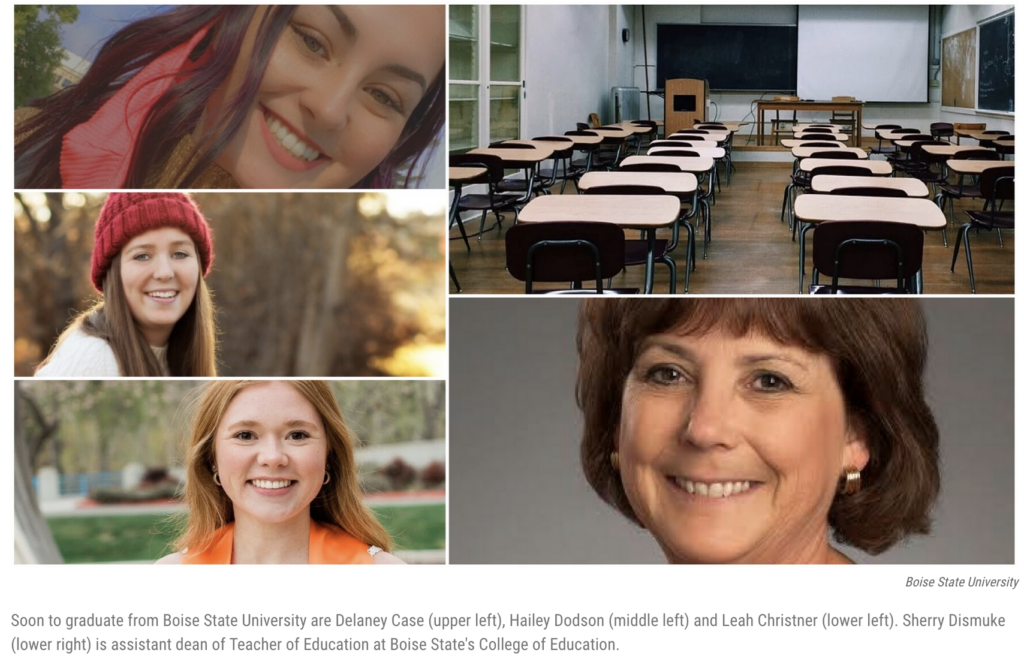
(175, 559)
(384, 558)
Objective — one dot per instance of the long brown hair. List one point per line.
(339, 502)
(191, 348)
(39, 140)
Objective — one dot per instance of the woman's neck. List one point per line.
(277, 543)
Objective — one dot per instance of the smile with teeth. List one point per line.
(713, 490)
(289, 140)
(163, 294)
(271, 484)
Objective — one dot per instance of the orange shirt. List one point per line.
(327, 544)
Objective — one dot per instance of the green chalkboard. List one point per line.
(995, 64)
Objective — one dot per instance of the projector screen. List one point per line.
(873, 53)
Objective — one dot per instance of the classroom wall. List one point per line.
(740, 106)
(574, 55)
(956, 18)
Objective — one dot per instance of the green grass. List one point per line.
(120, 538)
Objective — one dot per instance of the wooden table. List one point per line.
(634, 212)
(834, 127)
(972, 167)
(982, 135)
(457, 176)
(732, 127)
(812, 209)
(638, 129)
(806, 152)
(586, 140)
(804, 135)
(877, 167)
(792, 142)
(887, 134)
(950, 150)
(713, 152)
(856, 107)
(914, 188)
(717, 137)
(679, 184)
(619, 131)
(527, 159)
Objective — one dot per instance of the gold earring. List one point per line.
(849, 483)
(327, 477)
(615, 460)
(216, 479)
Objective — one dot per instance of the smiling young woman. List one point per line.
(743, 430)
(272, 479)
(150, 257)
(252, 97)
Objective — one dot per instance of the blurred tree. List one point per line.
(92, 425)
(37, 48)
(33, 542)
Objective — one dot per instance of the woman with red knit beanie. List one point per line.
(156, 319)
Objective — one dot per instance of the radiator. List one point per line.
(626, 101)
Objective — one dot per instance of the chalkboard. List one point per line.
(995, 64)
(730, 57)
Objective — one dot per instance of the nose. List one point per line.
(329, 103)
(162, 269)
(710, 420)
(272, 453)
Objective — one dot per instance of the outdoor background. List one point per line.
(103, 463)
(305, 284)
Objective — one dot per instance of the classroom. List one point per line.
(674, 147)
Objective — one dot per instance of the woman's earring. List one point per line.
(216, 479)
(615, 460)
(327, 477)
(849, 483)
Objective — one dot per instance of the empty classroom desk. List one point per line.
(812, 209)
(632, 212)
(914, 188)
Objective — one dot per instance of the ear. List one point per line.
(856, 452)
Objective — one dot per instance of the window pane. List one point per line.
(504, 112)
(463, 106)
(505, 42)
(463, 36)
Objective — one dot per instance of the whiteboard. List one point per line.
(873, 53)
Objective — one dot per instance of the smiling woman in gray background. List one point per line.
(518, 494)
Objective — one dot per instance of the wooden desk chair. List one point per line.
(960, 190)
(904, 155)
(919, 164)
(493, 201)
(940, 130)
(780, 125)
(595, 120)
(996, 187)
(546, 177)
(1001, 149)
(636, 249)
(802, 180)
(579, 168)
(988, 143)
(845, 117)
(866, 250)
(885, 127)
(566, 252)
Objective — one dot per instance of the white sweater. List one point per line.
(82, 355)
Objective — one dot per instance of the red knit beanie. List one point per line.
(127, 215)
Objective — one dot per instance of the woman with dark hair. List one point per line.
(150, 260)
(272, 479)
(252, 97)
(745, 430)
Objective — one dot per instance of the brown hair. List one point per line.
(191, 348)
(340, 502)
(878, 348)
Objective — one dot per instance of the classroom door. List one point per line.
(485, 84)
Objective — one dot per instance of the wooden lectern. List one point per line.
(686, 101)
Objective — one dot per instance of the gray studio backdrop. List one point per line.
(517, 493)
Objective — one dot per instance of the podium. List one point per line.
(686, 101)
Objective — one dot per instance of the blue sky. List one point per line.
(98, 22)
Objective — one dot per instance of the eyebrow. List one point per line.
(748, 360)
(180, 242)
(349, 28)
(296, 423)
